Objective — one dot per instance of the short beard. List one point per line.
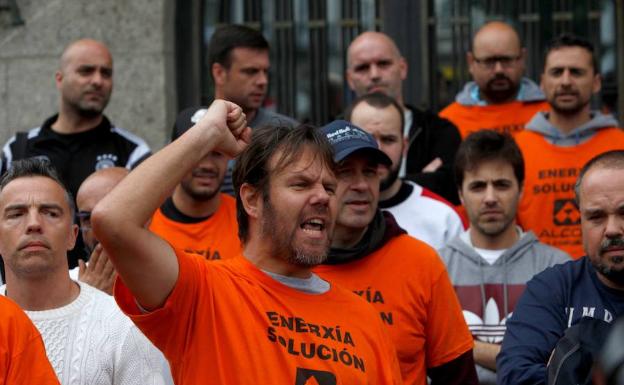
(609, 272)
(281, 243)
(89, 113)
(393, 175)
(199, 196)
(500, 95)
(568, 111)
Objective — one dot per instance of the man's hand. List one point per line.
(227, 122)
(99, 272)
(433, 165)
(485, 354)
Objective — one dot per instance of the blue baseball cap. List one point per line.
(347, 138)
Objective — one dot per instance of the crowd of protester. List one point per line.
(480, 245)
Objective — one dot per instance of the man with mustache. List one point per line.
(374, 64)
(88, 339)
(422, 213)
(490, 263)
(403, 278)
(80, 139)
(198, 218)
(499, 97)
(556, 144)
(262, 317)
(592, 286)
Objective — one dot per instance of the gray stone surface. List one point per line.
(31, 93)
(139, 34)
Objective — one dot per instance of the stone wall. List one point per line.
(139, 34)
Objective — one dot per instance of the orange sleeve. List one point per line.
(168, 326)
(23, 357)
(448, 336)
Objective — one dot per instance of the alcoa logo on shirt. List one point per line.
(491, 328)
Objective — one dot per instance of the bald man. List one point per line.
(376, 65)
(99, 272)
(79, 139)
(499, 97)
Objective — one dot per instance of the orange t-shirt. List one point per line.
(227, 322)
(23, 357)
(548, 206)
(504, 118)
(408, 284)
(213, 238)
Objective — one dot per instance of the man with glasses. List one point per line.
(99, 272)
(499, 97)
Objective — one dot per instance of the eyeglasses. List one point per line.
(490, 62)
(85, 220)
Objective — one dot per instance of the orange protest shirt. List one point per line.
(504, 118)
(23, 357)
(229, 323)
(548, 206)
(215, 237)
(407, 283)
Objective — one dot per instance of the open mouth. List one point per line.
(314, 224)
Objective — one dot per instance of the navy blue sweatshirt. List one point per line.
(553, 300)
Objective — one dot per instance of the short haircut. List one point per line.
(32, 167)
(252, 165)
(487, 145)
(568, 40)
(231, 36)
(611, 159)
(378, 100)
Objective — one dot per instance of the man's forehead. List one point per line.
(92, 55)
(491, 169)
(568, 57)
(237, 54)
(33, 189)
(293, 162)
(366, 115)
(373, 47)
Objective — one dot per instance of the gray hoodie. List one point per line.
(529, 92)
(489, 293)
(554, 135)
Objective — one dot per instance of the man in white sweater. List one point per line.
(88, 340)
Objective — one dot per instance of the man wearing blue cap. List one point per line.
(402, 277)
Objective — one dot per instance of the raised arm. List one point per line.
(147, 264)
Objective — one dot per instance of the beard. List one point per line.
(203, 194)
(497, 94)
(568, 110)
(283, 241)
(609, 271)
(393, 175)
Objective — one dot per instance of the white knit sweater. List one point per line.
(91, 342)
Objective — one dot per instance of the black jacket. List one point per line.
(76, 156)
(432, 137)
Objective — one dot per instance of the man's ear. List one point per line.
(403, 68)
(470, 62)
(251, 199)
(597, 83)
(58, 79)
(219, 73)
(71, 237)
